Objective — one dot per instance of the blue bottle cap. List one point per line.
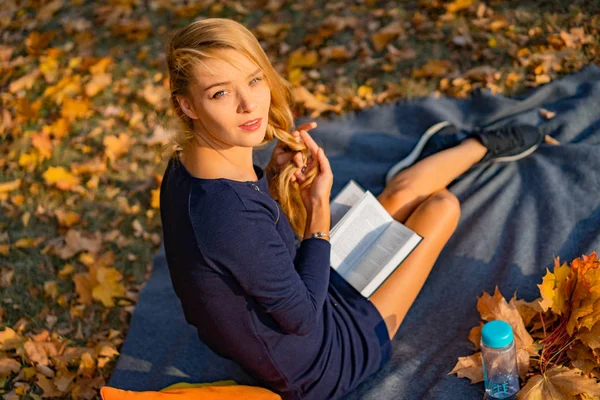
(496, 334)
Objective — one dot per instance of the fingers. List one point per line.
(313, 147)
(307, 126)
(324, 165)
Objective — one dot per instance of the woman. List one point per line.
(230, 227)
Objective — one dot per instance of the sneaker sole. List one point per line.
(414, 154)
(516, 156)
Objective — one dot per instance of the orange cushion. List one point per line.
(195, 393)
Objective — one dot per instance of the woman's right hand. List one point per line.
(320, 189)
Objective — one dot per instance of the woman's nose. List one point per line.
(247, 102)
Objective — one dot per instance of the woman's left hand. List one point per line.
(283, 155)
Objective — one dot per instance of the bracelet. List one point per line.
(319, 235)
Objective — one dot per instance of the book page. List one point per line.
(346, 198)
(357, 231)
(378, 256)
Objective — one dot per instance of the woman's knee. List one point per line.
(445, 203)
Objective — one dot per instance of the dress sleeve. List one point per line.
(249, 247)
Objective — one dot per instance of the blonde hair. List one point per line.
(201, 40)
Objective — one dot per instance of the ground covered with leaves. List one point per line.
(84, 95)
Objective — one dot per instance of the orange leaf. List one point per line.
(9, 186)
(75, 108)
(469, 367)
(558, 383)
(61, 178)
(117, 146)
(42, 143)
(8, 366)
(496, 308)
(109, 286)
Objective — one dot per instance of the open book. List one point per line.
(367, 244)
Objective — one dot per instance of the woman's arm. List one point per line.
(246, 244)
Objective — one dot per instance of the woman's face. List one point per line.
(225, 98)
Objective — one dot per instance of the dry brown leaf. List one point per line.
(8, 366)
(6, 276)
(590, 337)
(432, 69)
(496, 308)
(77, 241)
(303, 96)
(67, 218)
(475, 336)
(558, 383)
(469, 367)
(39, 352)
(47, 386)
(386, 34)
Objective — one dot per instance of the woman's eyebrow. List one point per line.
(228, 82)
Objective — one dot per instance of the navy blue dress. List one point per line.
(277, 309)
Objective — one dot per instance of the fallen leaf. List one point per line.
(558, 383)
(9, 186)
(432, 69)
(77, 241)
(303, 96)
(115, 147)
(61, 178)
(469, 367)
(47, 386)
(109, 286)
(496, 308)
(458, 5)
(8, 366)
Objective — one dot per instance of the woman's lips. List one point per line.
(252, 127)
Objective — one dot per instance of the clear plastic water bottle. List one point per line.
(500, 370)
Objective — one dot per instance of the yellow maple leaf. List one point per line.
(109, 286)
(115, 147)
(28, 160)
(58, 129)
(561, 297)
(75, 108)
(69, 86)
(60, 177)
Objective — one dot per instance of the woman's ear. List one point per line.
(186, 107)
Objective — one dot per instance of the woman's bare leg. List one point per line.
(418, 197)
(414, 184)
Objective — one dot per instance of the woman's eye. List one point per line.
(215, 96)
(256, 79)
